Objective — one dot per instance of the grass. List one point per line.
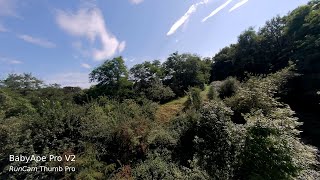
(171, 109)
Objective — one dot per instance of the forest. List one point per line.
(249, 112)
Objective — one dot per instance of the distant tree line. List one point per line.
(154, 80)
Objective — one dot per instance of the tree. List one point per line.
(147, 79)
(21, 82)
(143, 73)
(112, 78)
(185, 70)
(159, 92)
(223, 63)
(246, 52)
(273, 45)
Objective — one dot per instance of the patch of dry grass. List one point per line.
(171, 109)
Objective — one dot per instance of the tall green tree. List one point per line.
(112, 79)
(147, 78)
(21, 81)
(185, 70)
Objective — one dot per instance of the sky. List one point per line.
(63, 41)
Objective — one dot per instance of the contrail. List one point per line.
(217, 10)
(238, 5)
(185, 17)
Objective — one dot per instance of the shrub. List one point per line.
(11, 104)
(89, 167)
(158, 92)
(212, 94)
(158, 167)
(258, 93)
(273, 150)
(183, 129)
(194, 99)
(214, 149)
(228, 87)
(119, 130)
(160, 138)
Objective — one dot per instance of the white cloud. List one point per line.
(136, 1)
(75, 79)
(85, 65)
(185, 17)
(122, 46)
(89, 23)
(8, 8)
(9, 60)
(37, 41)
(15, 62)
(80, 48)
(77, 45)
(239, 4)
(217, 10)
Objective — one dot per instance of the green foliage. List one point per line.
(212, 93)
(185, 70)
(157, 167)
(89, 167)
(158, 92)
(161, 139)
(267, 146)
(228, 87)
(258, 93)
(205, 140)
(11, 104)
(213, 140)
(223, 63)
(183, 129)
(147, 79)
(146, 72)
(294, 37)
(194, 99)
(21, 82)
(272, 149)
(281, 39)
(119, 130)
(112, 79)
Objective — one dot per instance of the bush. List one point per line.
(11, 104)
(273, 150)
(258, 93)
(183, 129)
(119, 130)
(228, 87)
(159, 92)
(161, 139)
(194, 99)
(214, 149)
(205, 137)
(213, 93)
(158, 167)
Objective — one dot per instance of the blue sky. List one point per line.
(62, 41)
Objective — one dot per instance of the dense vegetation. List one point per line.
(246, 126)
